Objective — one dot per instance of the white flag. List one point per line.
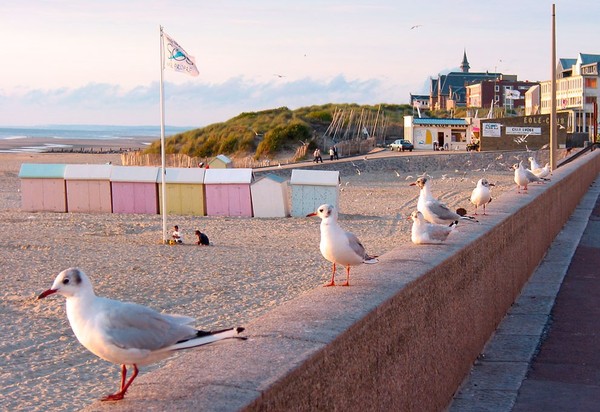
(512, 94)
(176, 58)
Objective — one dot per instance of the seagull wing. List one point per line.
(441, 210)
(133, 326)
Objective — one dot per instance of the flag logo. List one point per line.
(512, 94)
(176, 58)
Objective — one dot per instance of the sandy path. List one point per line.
(253, 266)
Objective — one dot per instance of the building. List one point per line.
(449, 91)
(432, 134)
(576, 93)
(506, 92)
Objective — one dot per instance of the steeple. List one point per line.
(464, 66)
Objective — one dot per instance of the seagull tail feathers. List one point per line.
(205, 337)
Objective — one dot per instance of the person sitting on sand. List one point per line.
(202, 239)
(177, 237)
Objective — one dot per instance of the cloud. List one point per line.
(190, 104)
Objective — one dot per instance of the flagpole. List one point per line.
(163, 170)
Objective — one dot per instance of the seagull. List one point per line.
(533, 164)
(542, 171)
(432, 209)
(524, 176)
(481, 195)
(423, 232)
(339, 246)
(416, 26)
(126, 333)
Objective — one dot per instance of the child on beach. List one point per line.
(176, 235)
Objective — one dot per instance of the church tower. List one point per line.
(464, 66)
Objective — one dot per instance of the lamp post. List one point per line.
(553, 128)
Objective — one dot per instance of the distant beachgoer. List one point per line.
(335, 153)
(176, 235)
(202, 238)
(317, 156)
(331, 153)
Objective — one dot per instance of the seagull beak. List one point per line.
(311, 214)
(47, 293)
(491, 184)
(413, 184)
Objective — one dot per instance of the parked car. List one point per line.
(401, 145)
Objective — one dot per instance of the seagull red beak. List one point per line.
(311, 214)
(413, 184)
(46, 293)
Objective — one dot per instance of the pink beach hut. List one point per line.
(228, 192)
(43, 187)
(185, 190)
(88, 188)
(134, 189)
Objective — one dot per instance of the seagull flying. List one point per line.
(432, 209)
(482, 194)
(339, 246)
(423, 232)
(126, 333)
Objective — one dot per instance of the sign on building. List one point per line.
(513, 130)
(491, 129)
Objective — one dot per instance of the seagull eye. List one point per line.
(65, 281)
(321, 210)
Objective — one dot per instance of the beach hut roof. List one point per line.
(146, 174)
(231, 176)
(315, 177)
(88, 172)
(273, 177)
(182, 175)
(221, 158)
(42, 171)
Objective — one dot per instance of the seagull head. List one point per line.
(483, 182)
(421, 182)
(416, 216)
(325, 212)
(70, 282)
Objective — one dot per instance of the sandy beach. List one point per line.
(252, 266)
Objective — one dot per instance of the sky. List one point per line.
(98, 61)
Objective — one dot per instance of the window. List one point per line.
(496, 88)
(591, 82)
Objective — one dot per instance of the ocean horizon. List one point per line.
(45, 138)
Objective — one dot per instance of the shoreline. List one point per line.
(61, 145)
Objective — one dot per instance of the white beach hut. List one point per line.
(88, 188)
(312, 188)
(270, 196)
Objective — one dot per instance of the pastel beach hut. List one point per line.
(228, 192)
(88, 188)
(184, 187)
(43, 187)
(312, 188)
(134, 189)
(220, 162)
(270, 196)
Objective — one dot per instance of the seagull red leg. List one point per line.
(347, 283)
(124, 386)
(332, 283)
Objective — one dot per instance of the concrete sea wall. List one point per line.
(402, 338)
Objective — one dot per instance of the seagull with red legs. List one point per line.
(126, 333)
(339, 246)
(481, 195)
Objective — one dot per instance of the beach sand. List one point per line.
(253, 265)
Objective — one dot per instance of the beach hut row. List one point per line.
(189, 191)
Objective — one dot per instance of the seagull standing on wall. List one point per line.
(423, 232)
(432, 209)
(481, 195)
(126, 333)
(524, 176)
(339, 246)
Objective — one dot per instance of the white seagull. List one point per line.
(524, 176)
(432, 209)
(542, 172)
(339, 246)
(126, 333)
(533, 164)
(423, 232)
(481, 195)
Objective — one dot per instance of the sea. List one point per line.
(56, 137)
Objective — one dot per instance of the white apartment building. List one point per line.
(577, 92)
